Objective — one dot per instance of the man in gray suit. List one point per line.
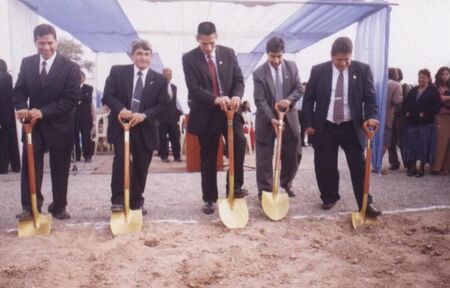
(339, 100)
(276, 81)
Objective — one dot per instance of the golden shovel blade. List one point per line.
(233, 214)
(276, 207)
(41, 225)
(358, 219)
(121, 223)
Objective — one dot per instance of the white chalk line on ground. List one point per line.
(103, 224)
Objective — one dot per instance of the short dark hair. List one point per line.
(42, 30)
(206, 28)
(342, 45)
(391, 73)
(426, 72)
(3, 66)
(140, 44)
(275, 45)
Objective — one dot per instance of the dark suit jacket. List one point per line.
(264, 91)
(199, 83)
(84, 107)
(6, 103)
(56, 98)
(118, 94)
(361, 98)
(428, 103)
(169, 112)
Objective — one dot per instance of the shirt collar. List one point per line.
(144, 72)
(48, 61)
(336, 71)
(213, 55)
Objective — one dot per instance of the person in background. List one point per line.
(168, 122)
(394, 98)
(420, 107)
(398, 127)
(83, 122)
(9, 147)
(441, 165)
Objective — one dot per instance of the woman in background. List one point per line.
(420, 108)
(441, 163)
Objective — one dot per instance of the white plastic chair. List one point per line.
(101, 128)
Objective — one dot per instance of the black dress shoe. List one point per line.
(25, 215)
(51, 208)
(166, 160)
(63, 215)
(88, 160)
(144, 211)
(178, 160)
(372, 211)
(421, 170)
(394, 167)
(208, 208)
(290, 192)
(240, 194)
(328, 206)
(116, 207)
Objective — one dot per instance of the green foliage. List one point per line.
(74, 51)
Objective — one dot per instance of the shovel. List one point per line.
(233, 212)
(40, 224)
(276, 205)
(360, 218)
(126, 221)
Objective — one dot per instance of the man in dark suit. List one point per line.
(83, 122)
(168, 123)
(9, 148)
(276, 81)
(51, 84)
(339, 99)
(135, 93)
(215, 82)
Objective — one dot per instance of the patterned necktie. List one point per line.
(43, 74)
(137, 95)
(278, 86)
(338, 115)
(213, 74)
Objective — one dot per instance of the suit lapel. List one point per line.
(328, 78)
(149, 86)
(286, 75)
(54, 70)
(35, 70)
(269, 79)
(220, 67)
(129, 79)
(202, 63)
(351, 82)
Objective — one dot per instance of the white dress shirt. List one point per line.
(347, 116)
(48, 63)
(274, 71)
(169, 90)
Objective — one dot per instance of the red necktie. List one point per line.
(213, 74)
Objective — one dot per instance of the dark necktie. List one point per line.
(338, 116)
(213, 74)
(43, 74)
(137, 95)
(278, 86)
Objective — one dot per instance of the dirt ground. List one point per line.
(404, 250)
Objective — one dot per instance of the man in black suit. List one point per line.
(215, 82)
(51, 84)
(276, 81)
(83, 122)
(135, 93)
(339, 99)
(168, 123)
(9, 148)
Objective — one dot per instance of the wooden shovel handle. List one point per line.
(126, 125)
(369, 131)
(28, 129)
(280, 112)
